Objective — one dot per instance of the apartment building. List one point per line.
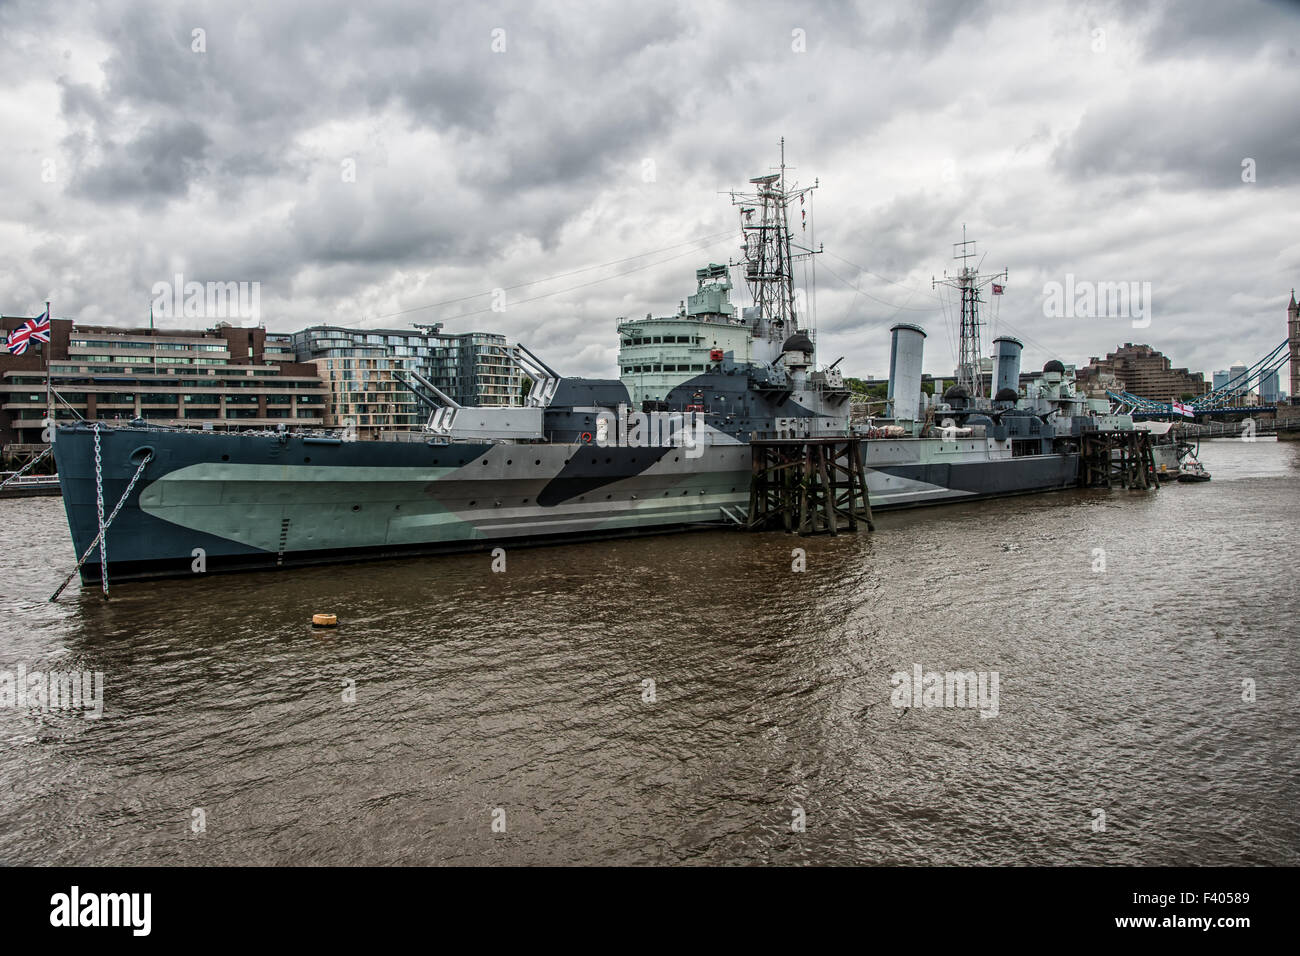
(362, 369)
(227, 376)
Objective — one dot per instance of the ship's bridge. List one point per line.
(658, 353)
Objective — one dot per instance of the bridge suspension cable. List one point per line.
(1219, 398)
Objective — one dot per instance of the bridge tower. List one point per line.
(1293, 336)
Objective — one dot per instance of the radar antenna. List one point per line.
(770, 251)
(968, 282)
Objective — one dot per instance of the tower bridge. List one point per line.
(1221, 404)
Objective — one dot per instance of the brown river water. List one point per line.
(1146, 710)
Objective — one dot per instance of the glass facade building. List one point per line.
(362, 369)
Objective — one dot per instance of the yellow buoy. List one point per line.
(324, 620)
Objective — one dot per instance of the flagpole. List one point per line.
(49, 397)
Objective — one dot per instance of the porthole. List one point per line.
(306, 461)
(356, 507)
(509, 462)
(225, 458)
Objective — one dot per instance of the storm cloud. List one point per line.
(364, 161)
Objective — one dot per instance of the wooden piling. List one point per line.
(809, 485)
(1124, 459)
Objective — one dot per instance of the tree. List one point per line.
(866, 390)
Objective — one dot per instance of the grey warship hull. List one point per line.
(250, 502)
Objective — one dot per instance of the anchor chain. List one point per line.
(99, 511)
(23, 470)
(104, 523)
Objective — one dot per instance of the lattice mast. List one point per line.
(969, 282)
(770, 250)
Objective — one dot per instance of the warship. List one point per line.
(665, 446)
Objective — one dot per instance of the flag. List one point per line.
(37, 328)
(40, 326)
(997, 289)
(1185, 410)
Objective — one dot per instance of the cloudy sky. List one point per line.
(364, 161)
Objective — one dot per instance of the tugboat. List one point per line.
(1193, 470)
(1168, 448)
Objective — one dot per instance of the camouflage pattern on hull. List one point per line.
(269, 501)
(264, 501)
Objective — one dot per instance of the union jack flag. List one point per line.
(37, 328)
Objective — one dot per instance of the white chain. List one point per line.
(99, 510)
(99, 538)
(129, 485)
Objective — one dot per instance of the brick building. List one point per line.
(232, 377)
(1144, 372)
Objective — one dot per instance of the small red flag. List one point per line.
(997, 289)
